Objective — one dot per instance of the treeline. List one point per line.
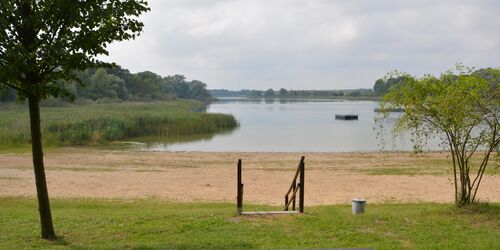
(383, 86)
(118, 84)
(284, 93)
(380, 88)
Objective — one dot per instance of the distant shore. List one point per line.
(277, 98)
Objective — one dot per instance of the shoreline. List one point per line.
(331, 178)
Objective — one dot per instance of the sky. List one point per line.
(310, 44)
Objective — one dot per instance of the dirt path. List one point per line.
(331, 178)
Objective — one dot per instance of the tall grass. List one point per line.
(102, 123)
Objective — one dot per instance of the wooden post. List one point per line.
(293, 191)
(286, 203)
(302, 172)
(239, 185)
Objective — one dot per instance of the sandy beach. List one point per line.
(331, 178)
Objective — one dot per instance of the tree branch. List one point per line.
(484, 163)
(454, 167)
(62, 23)
(14, 87)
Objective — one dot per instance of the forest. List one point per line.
(117, 84)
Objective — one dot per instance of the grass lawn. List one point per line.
(151, 223)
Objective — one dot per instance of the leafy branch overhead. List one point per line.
(47, 40)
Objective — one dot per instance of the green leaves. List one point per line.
(463, 107)
(448, 102)
(42, 41)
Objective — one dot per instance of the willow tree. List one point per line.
(42, 44)
(463, 109)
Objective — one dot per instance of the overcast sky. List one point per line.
(310, 44)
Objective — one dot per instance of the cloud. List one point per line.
(306, 44)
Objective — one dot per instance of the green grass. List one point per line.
(433, 166)
(150, 224)
(406, 170)
(8, 148)
(415, 170)
(9, 178)
(98, 124)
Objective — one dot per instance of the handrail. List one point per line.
(293, 197)
(296, 187)
(296, 175)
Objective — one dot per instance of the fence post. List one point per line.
(302, 172)
(239, 197)
(286, 202)
(293, 192)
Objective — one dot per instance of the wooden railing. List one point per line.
(291, 200)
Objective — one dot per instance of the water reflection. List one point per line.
(164, 143)
(294, 126)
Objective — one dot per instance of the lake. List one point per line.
(294, 126)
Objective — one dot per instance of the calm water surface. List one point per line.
(295, 126)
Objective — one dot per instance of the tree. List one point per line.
(269, 93)
(108, 85)
(283, 92)
(462, 108)
(355, 93)
(198, 90)
(147, 84)
(45, 41)
(379, 87)
(255, 93)
(382, 87)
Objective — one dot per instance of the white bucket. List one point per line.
(358, 206)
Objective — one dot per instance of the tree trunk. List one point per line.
(41, 184)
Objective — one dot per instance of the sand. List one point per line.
(331, 178)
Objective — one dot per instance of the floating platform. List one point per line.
(346, 117)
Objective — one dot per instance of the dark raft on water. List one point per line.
(346, 117)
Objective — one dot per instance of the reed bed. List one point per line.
(103, 123)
